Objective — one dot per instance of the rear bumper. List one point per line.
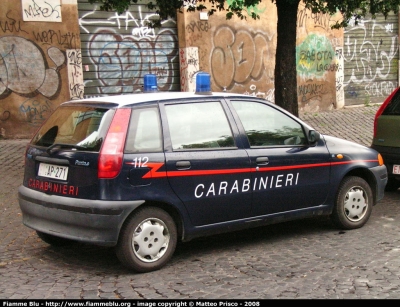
(90, 221)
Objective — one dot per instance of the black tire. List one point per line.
(53, 240)
(392, 185)
(354, 202)
(147, 240)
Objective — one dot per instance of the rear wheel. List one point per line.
(53, 240)
(354, 203)
(148, 240)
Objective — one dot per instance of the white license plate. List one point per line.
(53, 171)
(396, 169)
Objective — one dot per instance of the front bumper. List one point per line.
(90, 221)
(391, 156)
(381, 178)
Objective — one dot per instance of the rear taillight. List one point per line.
(111, 153)
(382, 108)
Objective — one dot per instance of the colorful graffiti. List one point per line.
(189, 66)
(25, 71)
(41, 10)
(318, 20)
(240, 57)
(123, 61)
(120, 61)
(36, 110)
(315, 56)
(75, 74)
(374, 61)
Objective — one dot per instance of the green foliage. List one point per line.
(367, 101)
(169, 8)
(164, 8)
(353, 9)
(350, 9)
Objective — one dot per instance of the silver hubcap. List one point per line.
(150, 240)
(355, 204)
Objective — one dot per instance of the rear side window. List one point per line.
(266, 126)
(144, 133)
(80, 126)
(393, 108)
(200, 125)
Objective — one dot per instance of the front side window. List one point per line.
(78, 126)
(200, 125)
(266, 126)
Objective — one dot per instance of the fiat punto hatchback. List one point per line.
(141, 172)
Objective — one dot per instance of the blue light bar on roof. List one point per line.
(150, 83)
(203, 83)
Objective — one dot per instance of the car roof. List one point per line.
(129, 99)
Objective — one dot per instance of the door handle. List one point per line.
(262, 160)
(183, 165)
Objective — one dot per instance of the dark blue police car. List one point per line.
(143, 171)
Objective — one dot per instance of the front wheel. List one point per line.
(353, 204)
(148, 240)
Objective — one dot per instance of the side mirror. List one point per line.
(313, 137)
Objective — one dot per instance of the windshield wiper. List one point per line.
(60, 146)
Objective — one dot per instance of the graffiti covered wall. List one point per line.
(319, 62)
(371, 53)
(118, 50)
(39, 62)
(240, 54)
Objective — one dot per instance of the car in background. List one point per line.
(386, 137)
(143, 171)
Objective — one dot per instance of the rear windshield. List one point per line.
(393, 108)
(79, 127)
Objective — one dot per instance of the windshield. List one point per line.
(79, 127)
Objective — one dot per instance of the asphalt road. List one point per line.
(307, 259)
